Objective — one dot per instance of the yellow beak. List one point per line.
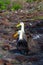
(15, 35)
(18, 25)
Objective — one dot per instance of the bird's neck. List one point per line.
(21, 33)
(22, 28)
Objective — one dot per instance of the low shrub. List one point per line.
(5, 5)
(30, 1)
(16, 6)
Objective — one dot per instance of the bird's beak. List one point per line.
(18, 25)
(15, 35)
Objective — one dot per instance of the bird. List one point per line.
(22, 44)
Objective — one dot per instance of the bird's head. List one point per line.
(22, 28)
(20, 24)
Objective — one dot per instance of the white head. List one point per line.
(20, 32)
(22, 26)
(21, 23)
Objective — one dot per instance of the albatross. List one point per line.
(22, 44)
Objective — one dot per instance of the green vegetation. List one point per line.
(6, 5)
(12, 5)
(16, 6)
(30, 1)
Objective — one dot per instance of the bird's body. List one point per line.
(22, 45)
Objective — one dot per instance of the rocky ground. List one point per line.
(8, 22)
